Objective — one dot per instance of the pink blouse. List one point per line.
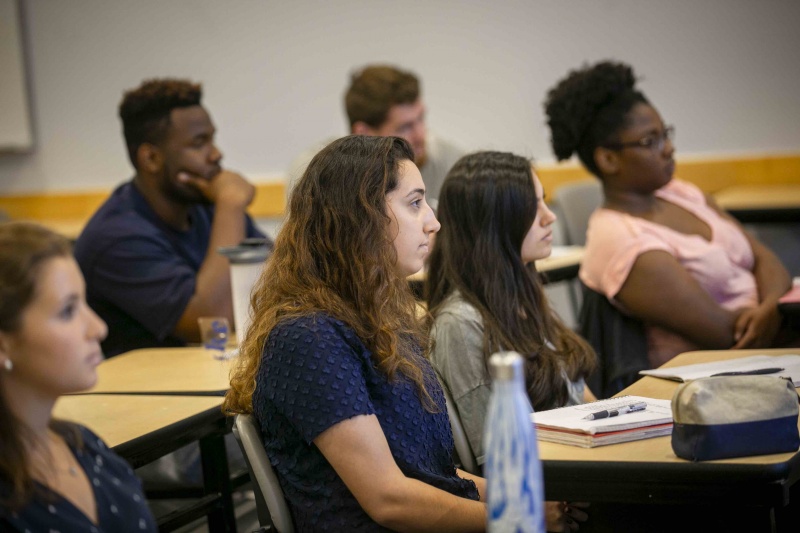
(722, 266)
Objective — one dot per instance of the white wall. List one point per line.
(15, 129)
(725, 72)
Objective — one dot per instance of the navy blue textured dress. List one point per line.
(121, 505)
(316, 372)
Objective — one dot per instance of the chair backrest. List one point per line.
(620, 342)
(464, 451)
(271, 507)
(577, 201)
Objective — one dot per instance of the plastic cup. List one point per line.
(215, 332)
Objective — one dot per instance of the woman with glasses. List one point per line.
(658, 248)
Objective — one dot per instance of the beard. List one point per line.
(178, 192)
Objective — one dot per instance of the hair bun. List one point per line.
(572, 104)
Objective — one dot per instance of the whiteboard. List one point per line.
(15, 124)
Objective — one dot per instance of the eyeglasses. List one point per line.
(654, 142)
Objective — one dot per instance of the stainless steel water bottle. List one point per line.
(515, 490)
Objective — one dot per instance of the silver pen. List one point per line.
(608, 413)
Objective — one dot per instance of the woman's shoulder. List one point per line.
(609, 229)
(85, 441)
(315, 323)
(606, 219)
(78, 436)
(458, 327)
(92, 442)
(455, 307)
(315, 330)
(685, 190)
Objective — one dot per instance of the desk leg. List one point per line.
(216, 479)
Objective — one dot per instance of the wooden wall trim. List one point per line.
(710, 174)
(269, 202)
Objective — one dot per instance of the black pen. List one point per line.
(756, 372)
(639, 406)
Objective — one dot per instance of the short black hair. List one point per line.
(145, 110)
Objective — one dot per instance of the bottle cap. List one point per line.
(251, 250)
(506, 366)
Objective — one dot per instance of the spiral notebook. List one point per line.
(568, 425)
(783, 366)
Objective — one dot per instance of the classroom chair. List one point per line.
(574, 203)
(619, 341)
(463, 450)
(271, 507)
(577, 202)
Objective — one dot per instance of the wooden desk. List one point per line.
(185, 371)
(761, 203)
(142, 429)
(563, 263)
(130, 424)
(648, 471)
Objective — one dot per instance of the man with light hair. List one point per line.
(383, 100)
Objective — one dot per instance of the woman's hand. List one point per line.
(756, 327)
(564, 516)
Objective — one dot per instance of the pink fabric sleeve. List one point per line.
(613, 243)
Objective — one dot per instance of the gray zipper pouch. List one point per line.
(734, 416)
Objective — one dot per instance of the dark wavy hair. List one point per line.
(334, 255)
(145, 111)
(588, 108)
(487, 205)
(375, 89)
(24, 250)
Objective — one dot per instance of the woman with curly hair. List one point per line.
(658, 247)
(54, 475)
(352, 415)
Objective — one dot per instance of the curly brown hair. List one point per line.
(145, 111)
(334, 255)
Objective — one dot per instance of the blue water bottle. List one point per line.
(515, 490)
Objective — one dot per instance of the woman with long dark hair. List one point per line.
(658, 247)
(54, 475)
(332, 366)
(485, 294)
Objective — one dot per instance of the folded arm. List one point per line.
(358, 451)
(757, 327)
(231, 195)
(660, 291)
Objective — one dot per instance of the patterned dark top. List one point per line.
(121, 505)
(316, 372)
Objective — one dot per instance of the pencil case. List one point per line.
(734, 416)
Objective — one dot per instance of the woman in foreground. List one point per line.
(54, 475)
(352, 415)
